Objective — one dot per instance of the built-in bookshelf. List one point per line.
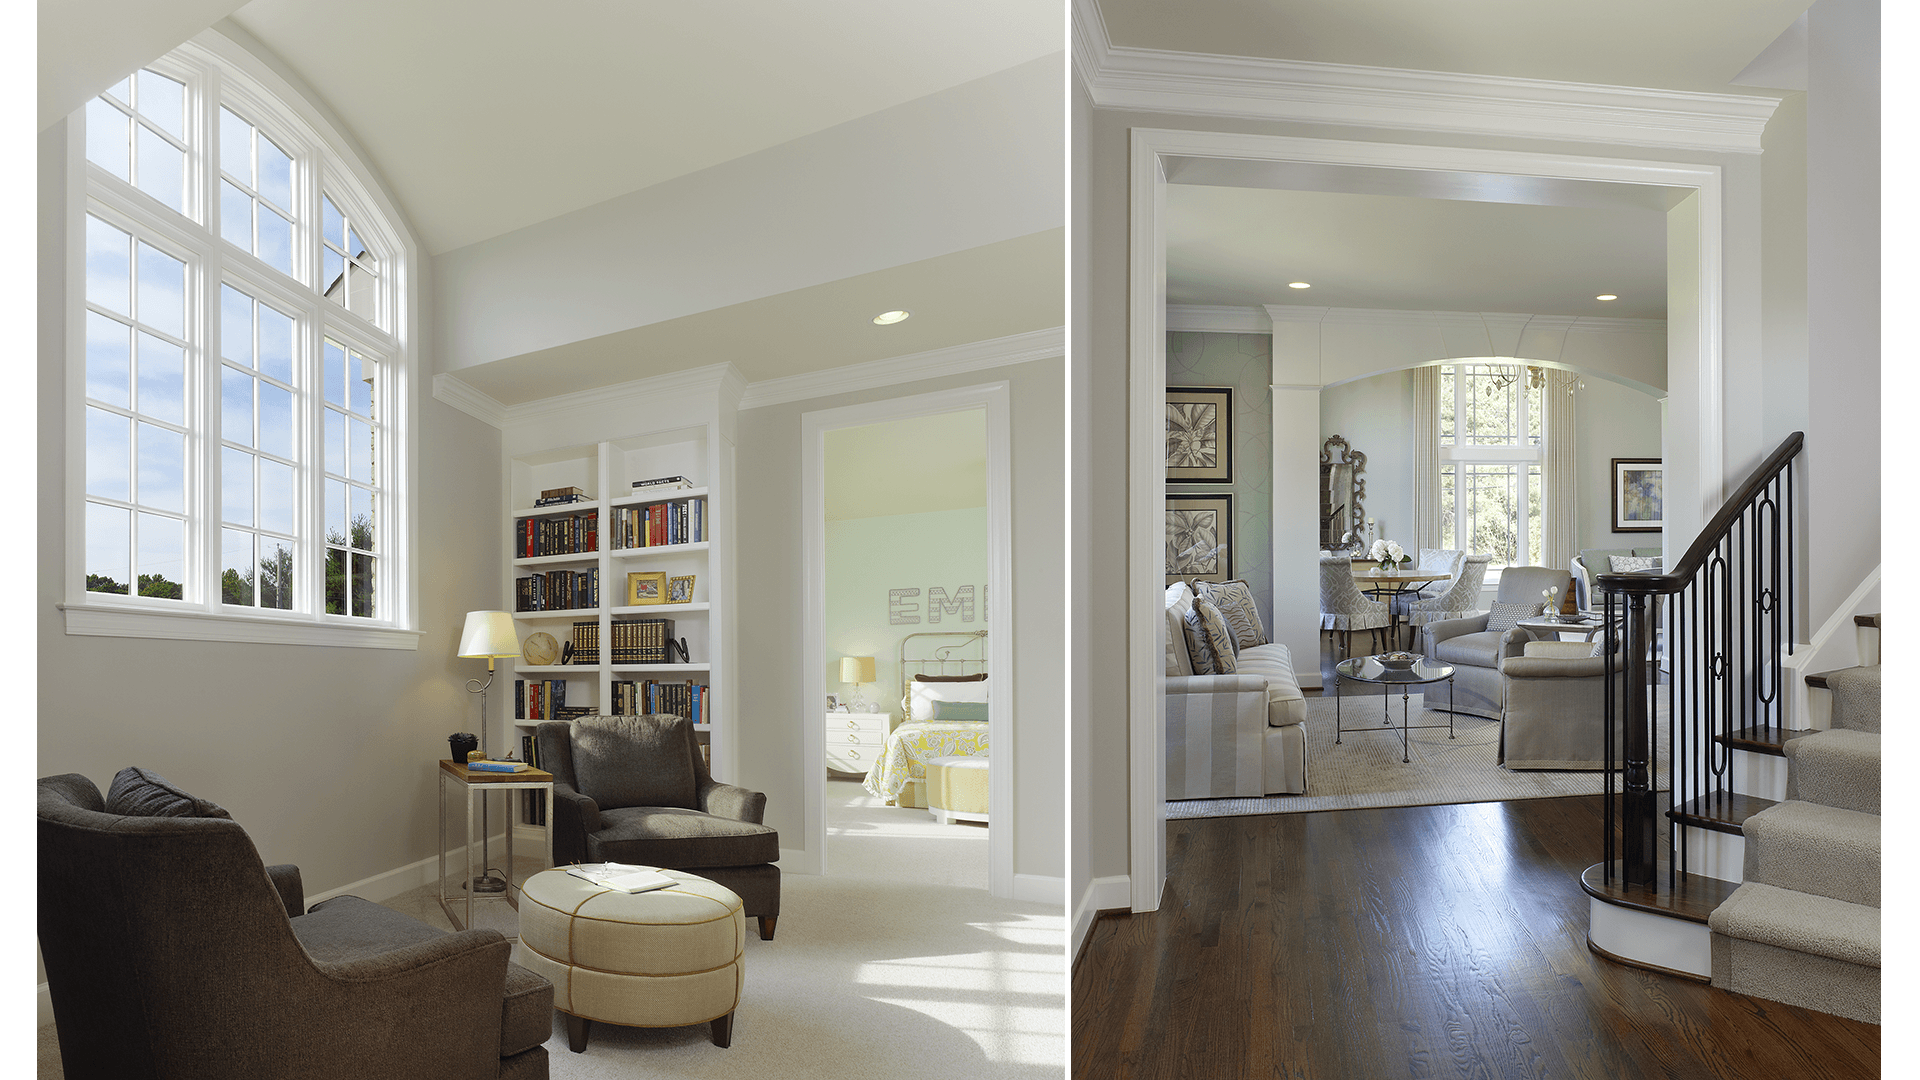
(626, 580)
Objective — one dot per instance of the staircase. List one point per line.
(1803, 927)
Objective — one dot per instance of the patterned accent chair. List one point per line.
(172, 952)
(1475, 651)
(1431, 561)
(1461, 597)
(1344, 608)
(635, 789)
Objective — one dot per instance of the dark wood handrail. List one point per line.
(1682, 572)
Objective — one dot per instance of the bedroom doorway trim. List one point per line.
(1694, 362)
(994, 399)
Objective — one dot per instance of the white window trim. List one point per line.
(1495, 455)
(338, 171)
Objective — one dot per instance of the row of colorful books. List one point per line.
(635, 698)
(557, 590)
(544, 699)
(558, 534)
(683, 522)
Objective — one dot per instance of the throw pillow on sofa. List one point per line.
(1507, 616)
(1179, 602)
(1235, 601)
(1207, 634)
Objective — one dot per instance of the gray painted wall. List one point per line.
(1245, 363)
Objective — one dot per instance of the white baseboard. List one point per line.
(387, 885)
(1103, 894)
(1040, 889)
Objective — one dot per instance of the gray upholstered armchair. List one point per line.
(171, 952)
(1555, 703)
(635, 789)
(1475, 651)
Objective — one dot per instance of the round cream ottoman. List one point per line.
(667, 958)
(957, 788)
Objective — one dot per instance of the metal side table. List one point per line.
(477, 784)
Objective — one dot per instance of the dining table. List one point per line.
(1385, 585)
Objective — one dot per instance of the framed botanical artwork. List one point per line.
(1199, 538)
(680, 590)
(649, 587)
(1199, 435)
(1639, 502)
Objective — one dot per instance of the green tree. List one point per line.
(103, 583)
(360, 538)
(158, 585)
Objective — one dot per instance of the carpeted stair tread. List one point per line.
(1838, 767)
(1856, 697)
(1810, 848)
(1800, 922)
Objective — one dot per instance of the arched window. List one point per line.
(240, 369)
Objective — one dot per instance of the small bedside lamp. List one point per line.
(488, 634)
(857, 670)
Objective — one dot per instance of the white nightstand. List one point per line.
(855, 740)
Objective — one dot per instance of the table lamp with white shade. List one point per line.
(489, 635)
(857, 670)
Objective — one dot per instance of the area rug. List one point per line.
(1365, 769)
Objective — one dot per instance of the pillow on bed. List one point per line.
(959, 710)
(927, 689)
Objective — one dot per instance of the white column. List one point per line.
(1296, 527)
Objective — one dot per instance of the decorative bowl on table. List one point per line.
(1398, 660)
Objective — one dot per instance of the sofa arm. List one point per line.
(286, 882)
(1217, 684)
(574, 816)
(1553, 667)
(447, 992)
(734, 803)
(1435, 632)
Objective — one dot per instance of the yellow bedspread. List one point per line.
(913, 743)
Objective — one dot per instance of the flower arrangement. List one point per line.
(1552, 605)
(1389, 555)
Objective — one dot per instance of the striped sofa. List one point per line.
(1233, 735)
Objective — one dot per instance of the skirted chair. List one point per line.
(635, 789)
(1556, 703)
(1344, 608)
(1472, 644)
(1460, 598)
(1431, 561)
(172, 952)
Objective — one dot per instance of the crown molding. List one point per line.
(1505, 320)
(732, 388)
(953, 360)
(1199, 84)
(1217, 319)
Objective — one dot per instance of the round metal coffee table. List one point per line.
(1370, 669)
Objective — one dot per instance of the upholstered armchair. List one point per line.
(1431, 561)
(1555, 703)
(635, 789)
(172, 952)
(1344, 608)
(1474, 650)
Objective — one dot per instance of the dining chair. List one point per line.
(1344, 608)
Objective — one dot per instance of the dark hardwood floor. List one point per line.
(1432, 941)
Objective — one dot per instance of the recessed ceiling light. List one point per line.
(888, 318)
(1606, 296)
(1298, 285)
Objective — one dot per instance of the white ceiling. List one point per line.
(1693, 45)
(1242, 246)
(913, 466)
(488, 115)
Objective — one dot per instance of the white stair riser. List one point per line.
(1761, 775)
(1867, 640)
(1819, 708)
(1646, 938)
(1715, 854)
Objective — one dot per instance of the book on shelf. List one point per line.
(554, 493)
(688, 699)
(655, 524)
(559, 500)
(640, 641)
(497, 766)
(538, 699)
(558, 590)
(666, 483)
(621, 877)
(557, 534)
(586, 641)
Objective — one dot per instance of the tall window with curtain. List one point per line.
(1491, 442)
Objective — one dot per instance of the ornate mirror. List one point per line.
(1342, 490)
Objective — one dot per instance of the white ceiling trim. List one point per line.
(1218, 319)
(1196, 84)
(973, 356)
(1591, 324)
(644, 393)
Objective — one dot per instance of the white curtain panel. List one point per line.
(1559, 473)
(1426, 460)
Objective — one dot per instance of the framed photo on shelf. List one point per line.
(1199, 538)
(646, 587)
(833, 702)
(1639, 502)
(1199, 435)
(680, 590)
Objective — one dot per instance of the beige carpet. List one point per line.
(1365, 769)
(896, 963)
